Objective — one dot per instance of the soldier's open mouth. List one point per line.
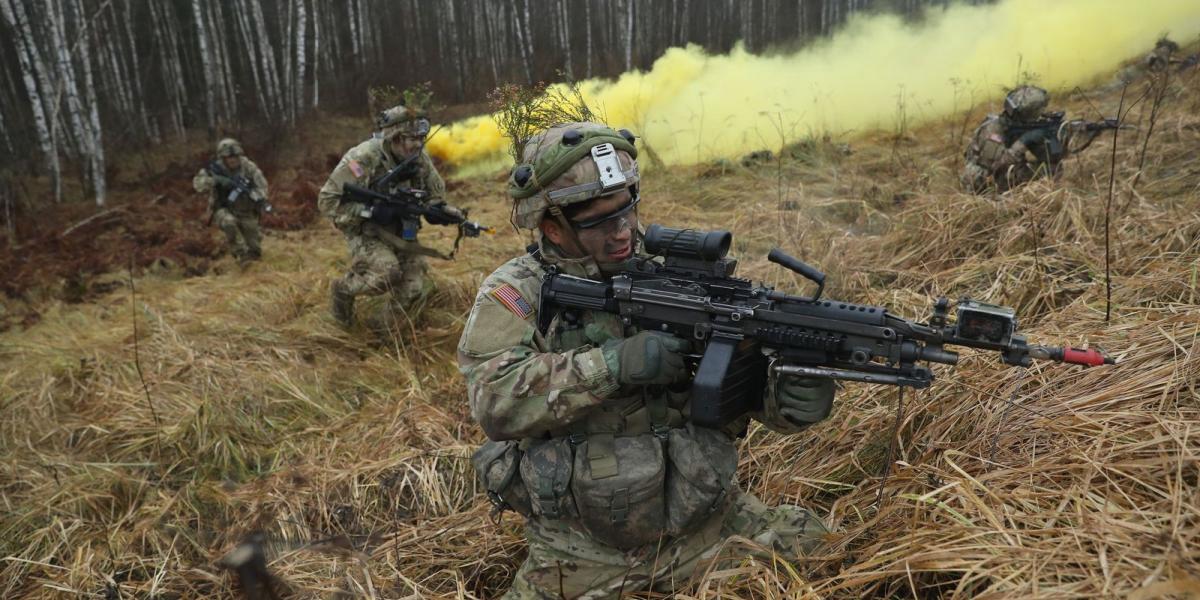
(621, 254)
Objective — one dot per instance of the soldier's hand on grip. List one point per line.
(648, 358)
(804, 400)
(384, 214)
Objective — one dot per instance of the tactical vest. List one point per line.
(629, 473)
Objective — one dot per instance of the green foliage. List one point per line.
(521, 112)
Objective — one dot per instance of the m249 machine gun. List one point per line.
(739, 327)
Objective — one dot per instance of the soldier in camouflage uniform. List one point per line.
(999, 159)
(238, 219)
(587, 418)
(384, 253)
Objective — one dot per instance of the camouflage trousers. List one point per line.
(241, 232)
(565, 563)
(376, 268)
(978, 179)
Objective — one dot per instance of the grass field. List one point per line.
(144, 432)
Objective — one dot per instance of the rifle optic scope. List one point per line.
(688, 243)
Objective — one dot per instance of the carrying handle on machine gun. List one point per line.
(796, 265)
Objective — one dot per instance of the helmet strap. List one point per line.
(557, 212)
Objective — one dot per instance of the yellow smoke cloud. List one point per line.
(691, 106)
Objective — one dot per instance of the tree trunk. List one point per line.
(207, 65)
(526, 48)
(24, 39)
(587, 19)
(99, 182)
(298, 79)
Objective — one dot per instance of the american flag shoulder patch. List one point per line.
(512, 300)
(356, 168)
(995, 137)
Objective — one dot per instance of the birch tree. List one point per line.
(24, 38)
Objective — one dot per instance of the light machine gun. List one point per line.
(694, 295)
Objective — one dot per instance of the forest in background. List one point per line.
(83, 77)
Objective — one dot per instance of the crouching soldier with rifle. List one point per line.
(588, 414)
(377, 196)
(1023, 142)
(612, 371)
(237, 195)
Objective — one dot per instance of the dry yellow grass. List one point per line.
(258, 414)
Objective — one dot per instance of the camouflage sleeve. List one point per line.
(203, 183)
(432, 181)
(1075, 137)
(344, 215)
(516, 387)
(260, 180)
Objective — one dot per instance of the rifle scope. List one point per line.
(688, 243)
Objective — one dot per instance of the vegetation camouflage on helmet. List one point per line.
(229, 147)
(1026, 103)
(402, 119)
(560, 160)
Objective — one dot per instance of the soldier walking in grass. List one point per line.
(385, 256)
(1024, 142)
(587, 417)
(237, 195)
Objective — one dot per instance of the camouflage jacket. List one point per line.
(359, 166)
(522, 383)
(989, 150)
(204, 183)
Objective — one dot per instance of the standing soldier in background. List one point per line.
(587, 417)
(1023, 142)
(237, 193)
(384, 253)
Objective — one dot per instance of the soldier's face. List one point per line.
(605, 229)
(232, 162)
(405, 146)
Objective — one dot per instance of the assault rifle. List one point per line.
(411, 206)
(238, 186)
(739, 326)
(1051, 147)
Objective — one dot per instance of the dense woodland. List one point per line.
(84, 76)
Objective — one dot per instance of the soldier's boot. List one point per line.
(341, 304)
(388, 323)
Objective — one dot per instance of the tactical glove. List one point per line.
(1032, 138)
(648, 358)
(385, 214)
(223, 181)
(804, 401)
(444, 215)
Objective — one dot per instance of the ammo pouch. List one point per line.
(618, 487)
(498, 466)
(546, 470)
(703, 463)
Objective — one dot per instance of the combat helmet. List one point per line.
(229, 147)
(568, 164)
(1026, 103)
(402, 120)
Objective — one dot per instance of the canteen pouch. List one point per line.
(618, 488)
(546, 470)
(498, 467)
(703, 463)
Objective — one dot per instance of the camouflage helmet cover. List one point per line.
(229, 147)
(563, 166)
(1026, 103)
(402, 120)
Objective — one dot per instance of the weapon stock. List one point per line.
(742, 327)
